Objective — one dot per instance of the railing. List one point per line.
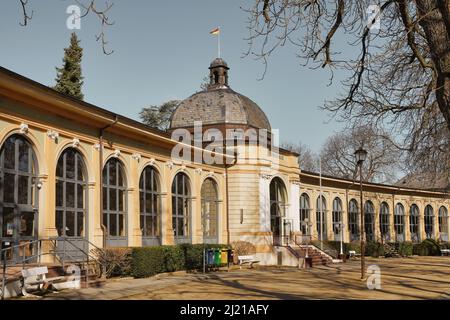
(62, 259)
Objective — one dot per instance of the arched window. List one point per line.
(321, 218)
(181, 208)
(115, 202)
(18, 194)
(71, 195)
(353, 220)
(399, 222)
(277, 209)
(384, 221)
(414, 223)
(369, 215)
(305, 218)
(150, 206)
(443, 224)
(337, 218)
(429, 222)
(210, 211)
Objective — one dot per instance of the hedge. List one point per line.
(428, 247)
(148, 261)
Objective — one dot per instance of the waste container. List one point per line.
(210, 257)
(224, 256)
(217, 257)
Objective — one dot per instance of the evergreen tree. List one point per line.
(69, 79)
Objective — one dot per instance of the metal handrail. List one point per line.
(39, 254)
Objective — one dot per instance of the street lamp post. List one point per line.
(361, 155)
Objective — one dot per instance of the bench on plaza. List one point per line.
(445, 252)
(35, 279)
(250, 260)
(352, 253)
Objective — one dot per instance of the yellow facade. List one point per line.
(52, 123)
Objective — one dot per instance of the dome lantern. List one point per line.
(218, 74)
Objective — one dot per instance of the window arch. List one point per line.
(414, 223)
(443, 224)
(321, 217)
(18, 193)
(399, 222)
(369, 214)
(353, 220)
(337, 218)
(277, 209)
(210, 211)
(181, 208)
(150, 206)
(429, 222)
(71, 194)
(305, 210)
(384, 221)
(115, 202)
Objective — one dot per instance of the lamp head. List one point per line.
(360, 155)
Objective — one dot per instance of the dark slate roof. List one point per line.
(219, 106)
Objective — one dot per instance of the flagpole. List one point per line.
(218, 43)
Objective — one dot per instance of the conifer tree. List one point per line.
(69, 79)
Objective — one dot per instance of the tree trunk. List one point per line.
(434, 16)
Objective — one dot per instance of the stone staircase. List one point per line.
(318, 257)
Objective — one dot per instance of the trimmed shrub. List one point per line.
(374, 249)
(405, 249)
(428, 247)
(147, 261)
(173, 258)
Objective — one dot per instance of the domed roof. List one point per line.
(219, 104)
(218, 62)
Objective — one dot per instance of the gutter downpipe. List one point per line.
(102, 223)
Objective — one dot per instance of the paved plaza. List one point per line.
(406, 278)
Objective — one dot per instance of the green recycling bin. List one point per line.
(217, 257)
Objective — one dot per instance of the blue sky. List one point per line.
(162, 50)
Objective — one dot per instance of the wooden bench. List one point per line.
(35, 278)
(445, 252)
(250, 260)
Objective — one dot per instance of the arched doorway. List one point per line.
(277, 210)
(71, 199)
(210, 211)
(181, 208)
(150, 207)
(115, 203)
(18, 197)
